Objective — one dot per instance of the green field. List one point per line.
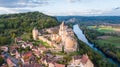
(42, 43)
(113, 41)
(103, 29)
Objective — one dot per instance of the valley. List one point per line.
(106, 38)
(103, 34)
(30, 41)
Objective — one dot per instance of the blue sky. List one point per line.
(63, 7)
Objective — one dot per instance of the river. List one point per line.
(82, 37)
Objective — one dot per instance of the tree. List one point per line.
(1, 60)
(62, 48)
(3, 40)
(12, 25)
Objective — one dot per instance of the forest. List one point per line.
(21, 25)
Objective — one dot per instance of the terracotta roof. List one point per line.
(18, 38)
(29, 43)
(42, 47)
(14, 47)
(34, 47)
(2, 56)
(28, 54)
(84, 59)
(26, 60)
(59, 65)
(9, 61)
(4, 66)
(32, 65)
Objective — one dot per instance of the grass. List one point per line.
(92, 27)
(26, 36)
(115, 41)
(43, 43)
(105, 30)
(101, 28)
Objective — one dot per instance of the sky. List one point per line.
(62, 7)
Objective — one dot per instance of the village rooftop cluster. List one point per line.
(61, 43)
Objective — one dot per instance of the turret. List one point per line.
(62, 28)
(35, 33)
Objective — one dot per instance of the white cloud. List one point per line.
(16, 6)
(6, 10)
(73, 1)
(113, 12)
(73, 8)
(22, 3)
(87, 12)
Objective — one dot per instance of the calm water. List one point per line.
(82, 37)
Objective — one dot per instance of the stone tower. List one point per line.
(35, 33)
(62, 31)
(62, 28)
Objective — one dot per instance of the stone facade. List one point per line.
(58, 36)
(67, 37)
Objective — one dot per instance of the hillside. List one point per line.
(12, 25)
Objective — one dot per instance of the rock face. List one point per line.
(58, 37)
(67, 36)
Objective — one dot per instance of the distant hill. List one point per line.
(13, 25)
(91, 19)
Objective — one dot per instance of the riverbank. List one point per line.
(91, 50)
(106, 53)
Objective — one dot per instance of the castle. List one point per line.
(67, 36)
(58, 37)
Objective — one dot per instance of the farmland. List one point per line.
(105, 29)
(113, 41)
(106, 38)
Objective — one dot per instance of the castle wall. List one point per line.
(65, 37)
(46, 40)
